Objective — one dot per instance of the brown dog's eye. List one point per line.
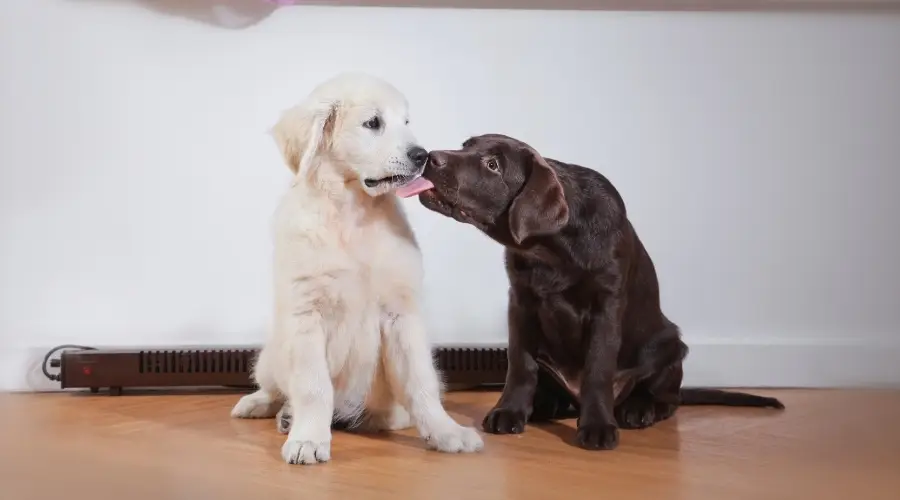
(493, 165)
(373, 123)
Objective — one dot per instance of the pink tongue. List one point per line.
(415, 187)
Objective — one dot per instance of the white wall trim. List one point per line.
(825, 363)
(832, 363)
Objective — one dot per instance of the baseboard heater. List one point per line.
(198, 367)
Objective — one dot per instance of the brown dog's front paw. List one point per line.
(504, 421)
(598, 436)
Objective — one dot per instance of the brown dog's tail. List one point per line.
(696, 397)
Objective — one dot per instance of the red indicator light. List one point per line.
(86, 370)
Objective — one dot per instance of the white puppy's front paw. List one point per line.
(306, 452)
(456, 440)
(255, 405)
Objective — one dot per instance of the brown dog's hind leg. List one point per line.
(656, 397)
(651, 400)
(551, 400)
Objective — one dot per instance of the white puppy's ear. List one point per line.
(303, 132)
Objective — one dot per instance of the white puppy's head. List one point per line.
(357, 125)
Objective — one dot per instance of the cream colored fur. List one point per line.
(348, 340)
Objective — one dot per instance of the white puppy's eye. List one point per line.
(406, 122)
(492, 165)
(373, 123)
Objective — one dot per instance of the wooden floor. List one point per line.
(826, 445)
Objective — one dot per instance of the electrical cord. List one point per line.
(57, 378)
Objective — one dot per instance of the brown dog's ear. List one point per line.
(541, 207)
(303, 131)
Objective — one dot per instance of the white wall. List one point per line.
(759, 155)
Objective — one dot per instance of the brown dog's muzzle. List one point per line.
(444, 169)
(440, 170)
(444, 165)
(437, 159)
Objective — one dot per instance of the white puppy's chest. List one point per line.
(369, 290)
(382, 254)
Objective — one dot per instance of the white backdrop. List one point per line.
(759, 155)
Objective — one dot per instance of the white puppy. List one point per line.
(348, 342)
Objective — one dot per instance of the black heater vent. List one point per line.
(196, 361)
(208, 366)
(472, 365)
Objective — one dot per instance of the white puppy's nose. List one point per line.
(417, 155)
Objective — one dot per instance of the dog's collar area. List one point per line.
(393, 179)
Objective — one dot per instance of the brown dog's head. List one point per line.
(499, 185)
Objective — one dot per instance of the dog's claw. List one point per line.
(305, 452)
(504, 421)
(598, 436)
(636, 412)
(456, 440)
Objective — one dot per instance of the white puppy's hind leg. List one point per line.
(284, 418)
(260, 404)
(383, 411)
(310, 394)
(415, 381)
(394, 419)
(265, 402)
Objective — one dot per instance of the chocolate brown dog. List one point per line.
(587, 336)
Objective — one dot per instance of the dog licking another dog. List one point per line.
(348, 347)
(587, 337)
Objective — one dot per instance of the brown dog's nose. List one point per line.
(437, 159)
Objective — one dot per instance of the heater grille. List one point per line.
(207, 366)
(196, 361)
(470, 359)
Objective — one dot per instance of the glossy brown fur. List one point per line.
(587, 337)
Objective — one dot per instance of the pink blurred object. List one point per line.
(282, 2)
